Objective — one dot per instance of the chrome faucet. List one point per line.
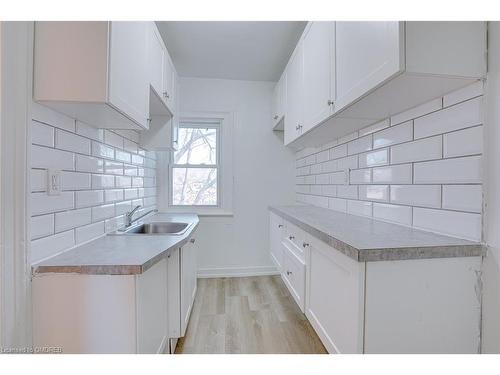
(128, 216)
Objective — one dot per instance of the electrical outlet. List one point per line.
(54, 182)
(347, 173)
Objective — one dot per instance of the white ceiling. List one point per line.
(254, 51)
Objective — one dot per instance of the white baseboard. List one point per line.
(237, 271)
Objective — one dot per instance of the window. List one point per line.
(195, 171)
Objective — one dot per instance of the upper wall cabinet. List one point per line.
(279, 102)
(96, 72)
(377, 69)
(294, 95)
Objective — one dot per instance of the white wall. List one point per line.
(419, 168)
(491, 265)
(263, 175)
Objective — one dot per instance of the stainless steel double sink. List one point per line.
(155, 228)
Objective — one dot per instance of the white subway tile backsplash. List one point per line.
(42, 226)
(374, 193)
(47, 246)
(449, 171)
(456, 117)
(418, 111)
(44, 157)
(80, 214)
(89, 131)
(113, 139)
(102, 151)
(393, 213)
(103, 212)
(464, 142)
(458, 224)
(423, 169)
(416, 195)
(360, 145)
(89, 198)
(375, 127)
(71, 219)
(42, 134)
(467, 198)
(360, 176)
(370, 159)
(396, 134)
(468, 92)
(42, 203)
(423, 149)
(89, 232)
(89, 164)
(359, 208)
(395, 174)
(72, 142)
(75, 181)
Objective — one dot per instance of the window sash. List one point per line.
(202, 124)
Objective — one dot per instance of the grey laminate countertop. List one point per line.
(121, 254)
(365, 239)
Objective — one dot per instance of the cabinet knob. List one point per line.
(291, 238)
(280, 225)
(275, 117)
(288, 273)
(165, 95)
(305, 244)
(330, 102)
(192, 240)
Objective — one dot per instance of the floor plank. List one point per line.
(247, 315)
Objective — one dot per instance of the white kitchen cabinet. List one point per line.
(170, 83)
(102, 313)
(174, 294)
(294, 275)
(275, 234)
(279, 103)
(189, 272)
(96, 72)
(319, 73)
(294, 95)
(157, 59)
(380, 69)
(334, 298)
(366, 54)
(381, 306)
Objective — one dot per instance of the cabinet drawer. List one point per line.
(296, 239)
(294, 276)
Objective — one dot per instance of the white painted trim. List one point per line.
(237, 271)
(15, 271)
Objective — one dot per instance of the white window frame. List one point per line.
(224, 122)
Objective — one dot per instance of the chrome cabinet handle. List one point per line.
(330, 102)
(192, 240)
(275, 117)
(280, 225)
(291, 237)
(165, 95)
(288, 273)
(305, 244)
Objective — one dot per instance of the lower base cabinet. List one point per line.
(404, 306)
(143, 313)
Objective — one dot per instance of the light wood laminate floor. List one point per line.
(247, 315)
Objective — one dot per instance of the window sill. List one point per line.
(202, 212)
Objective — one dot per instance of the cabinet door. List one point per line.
(367, 54)
(335, 298)
(128, 77)
(282, 96)
(152, 309)
(176, 117)
(275, 232)
(294, 96)
(174, 294)
(275, 108)
(294, 276)
(169, 93)
(319, 69)
(156, 61)
(189, 271)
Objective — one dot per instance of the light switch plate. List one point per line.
(54, 182)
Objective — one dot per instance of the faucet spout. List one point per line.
(128, 216)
